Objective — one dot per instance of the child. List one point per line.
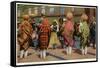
(54, 41)
(68, 33)
(84, 30)
(24, 38)
(62, 22)
(92, 32)
(34, 34)
(77, 36)
(44, 34)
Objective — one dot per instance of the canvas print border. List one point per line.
(13, 36)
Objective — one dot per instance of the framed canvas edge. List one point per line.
(13, 33)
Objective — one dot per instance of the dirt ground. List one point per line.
(56, 55)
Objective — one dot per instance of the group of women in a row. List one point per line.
(62, 33)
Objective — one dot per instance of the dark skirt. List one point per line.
(43, 40)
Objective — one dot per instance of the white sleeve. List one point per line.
(51, 26)
(57, 28)
(80, 27)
